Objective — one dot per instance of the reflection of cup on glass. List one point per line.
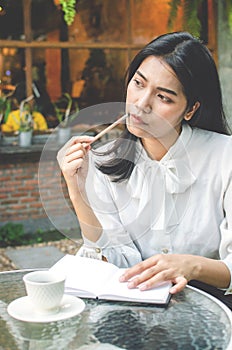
(45, 290)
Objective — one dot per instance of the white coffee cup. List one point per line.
(45, 290)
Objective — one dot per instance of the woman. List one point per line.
(159, 198)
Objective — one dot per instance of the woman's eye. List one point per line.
(137, 82)
(164, 98)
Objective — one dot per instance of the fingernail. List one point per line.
(173, 290)
(122, 278)
(131, 285)
(142, 286)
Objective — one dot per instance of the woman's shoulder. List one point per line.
(211, 138)
(211, 146)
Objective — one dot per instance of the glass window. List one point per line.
(45, 18)
(88, 59)
(11, 20)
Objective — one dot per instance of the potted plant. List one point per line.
(25, 123)
(66, 112)
(5, 107)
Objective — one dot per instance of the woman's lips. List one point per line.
(137, 120)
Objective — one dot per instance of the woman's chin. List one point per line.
(138, 130)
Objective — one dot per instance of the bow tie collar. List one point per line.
(175, 175)
(155, 183)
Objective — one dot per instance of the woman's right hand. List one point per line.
(73, 161)
(72, 158)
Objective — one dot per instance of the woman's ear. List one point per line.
(195, 107)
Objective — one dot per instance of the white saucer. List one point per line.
(22, 310)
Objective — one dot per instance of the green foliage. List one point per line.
(26, 122)
(69, 9)
(5, 108)
(63, 109)
(12, 234)
(173, 13)
(229, 14)
(191, 21)
(230, 21)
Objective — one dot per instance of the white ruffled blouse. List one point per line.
(181, 204)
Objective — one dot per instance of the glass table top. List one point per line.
(192, 321)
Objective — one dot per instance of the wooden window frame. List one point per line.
(28, 44)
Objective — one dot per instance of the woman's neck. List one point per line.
(156, 148)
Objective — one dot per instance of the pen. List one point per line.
(103, 132)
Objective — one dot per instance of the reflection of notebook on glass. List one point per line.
(91, 278)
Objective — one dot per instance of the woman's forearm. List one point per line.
(90, 226)
(73, 161)
(213, 272)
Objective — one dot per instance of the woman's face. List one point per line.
(155, 100)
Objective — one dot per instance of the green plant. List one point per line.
(5, 108)
(191, 22)
(68, 113)
(25, 116)
(25, 121)
(229, 14)
(41, 236)
(69, 10)
(11, 234)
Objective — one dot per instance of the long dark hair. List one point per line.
(196, 70)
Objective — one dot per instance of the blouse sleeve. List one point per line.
(226, 226)
(115, 242)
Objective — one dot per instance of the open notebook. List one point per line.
(91, 278)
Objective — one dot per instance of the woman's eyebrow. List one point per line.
(141, 75)
(167, 90)
(172, 92)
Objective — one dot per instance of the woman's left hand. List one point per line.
(177, 268)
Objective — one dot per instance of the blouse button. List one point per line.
(165, 250)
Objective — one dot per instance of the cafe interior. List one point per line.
(83, 59)
(58, 58)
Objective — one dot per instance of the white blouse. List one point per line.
(181, 204)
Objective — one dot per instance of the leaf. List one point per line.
(174, 5)
(69, 9)
(65, 116)
(191, 22)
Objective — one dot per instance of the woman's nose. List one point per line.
(144, 103)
